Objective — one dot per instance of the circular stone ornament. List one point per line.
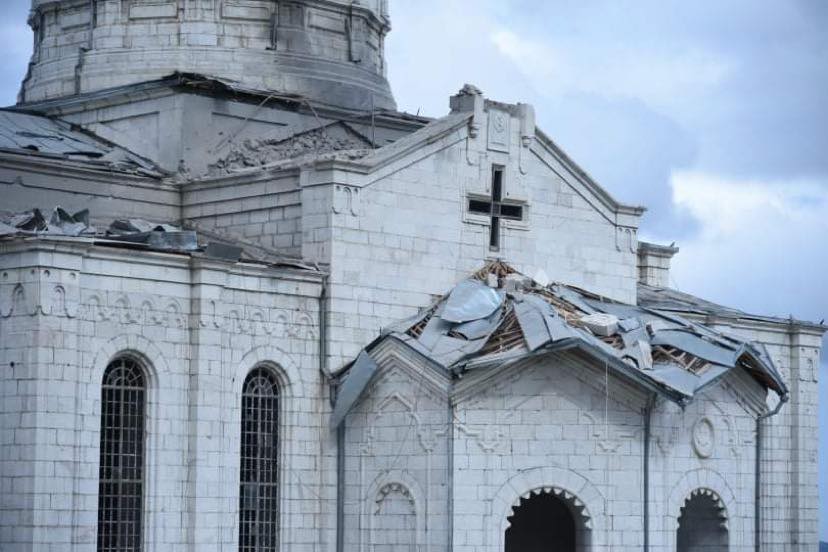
(704, 437)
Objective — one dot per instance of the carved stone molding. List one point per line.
(393, 489)
(346, 200)
(608, 441)
(39, 291)
(140, 309)
(253, 320)
(499, 130)
(703, 437)
(626, 237)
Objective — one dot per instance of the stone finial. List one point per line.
(469, 98)
(470, 90)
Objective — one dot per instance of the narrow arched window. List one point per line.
(259, 487)
(121, 476)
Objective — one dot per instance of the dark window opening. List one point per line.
(121, 475)
(480, 207)
(259, 486)
(494, 234)
(512, 212)
(495, 208)
(497, 183)
(702, 525)
(541, 523)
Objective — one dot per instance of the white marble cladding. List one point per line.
(556, 424)
(398, 231)
(198, 328)
(330, 51)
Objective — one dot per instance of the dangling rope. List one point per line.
(606, 401)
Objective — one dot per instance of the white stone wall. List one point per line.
(401, 234)
(396, 462)
(790, 506)
(198, 329)
(332, 52)
(26, 183)
(545, 425)
(260, 208)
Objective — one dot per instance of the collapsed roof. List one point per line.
(142, 235)
(49, 137)
(499, 317)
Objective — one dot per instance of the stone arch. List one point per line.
(159, 391)
(703, 523)
(406, 485)
(567, 484)
(707, 481)
(292, 388)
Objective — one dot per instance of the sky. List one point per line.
(713, 115)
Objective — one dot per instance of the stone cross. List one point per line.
(495, 208)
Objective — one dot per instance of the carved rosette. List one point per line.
(703, 437)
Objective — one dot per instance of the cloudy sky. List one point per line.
(712, 114)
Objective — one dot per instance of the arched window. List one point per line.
(259, 487)
(121, 476)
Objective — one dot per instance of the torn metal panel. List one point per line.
(351, 389)
(641, 352)
(480, 328)
(683, 381)
(685, 341)
(471, 300)
(223, 251)
(535, 330)
(40, 135)
(475, 326)
(157, 239)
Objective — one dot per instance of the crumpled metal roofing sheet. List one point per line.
(351, 388)
(37, 134)
(476, 326)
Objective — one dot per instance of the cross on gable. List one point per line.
(496, 208)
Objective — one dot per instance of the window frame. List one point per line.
(140, 372)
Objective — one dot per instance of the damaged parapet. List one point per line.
(499, 317)
(654, 263)
(140, 234)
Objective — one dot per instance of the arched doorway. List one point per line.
(702, 525)
(548, 520)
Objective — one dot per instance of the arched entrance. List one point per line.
(702, 525)
(548, 520)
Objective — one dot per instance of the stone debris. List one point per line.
(257, 153)
(601, 323)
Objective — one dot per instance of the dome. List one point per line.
(331, 52)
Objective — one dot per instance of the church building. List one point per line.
(247, 305)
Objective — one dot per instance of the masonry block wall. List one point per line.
(558, 425)
(790, 509)
(408, 219)
(263, 209)
(332, 52)
(397, 462)
(107, 195)
(197, 329)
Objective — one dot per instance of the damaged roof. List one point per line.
(45, 136)
(499, 317)
(672, 300)
(142, 235)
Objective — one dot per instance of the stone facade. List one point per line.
(331, 52)
(371, 215)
